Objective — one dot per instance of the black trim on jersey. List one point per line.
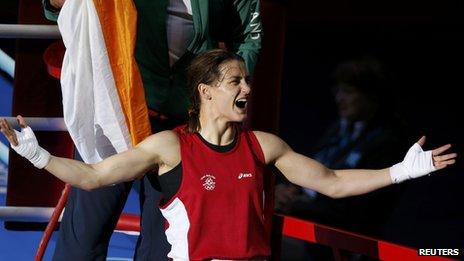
(219, 148)
(170, 182)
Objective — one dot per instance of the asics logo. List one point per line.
(245, 175)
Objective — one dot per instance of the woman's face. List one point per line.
(230, 94)
(352, 104)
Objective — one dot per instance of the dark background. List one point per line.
(421, 45)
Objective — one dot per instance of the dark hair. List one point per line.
(205, 68)
(365, 74)
(369, 76)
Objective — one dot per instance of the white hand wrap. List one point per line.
(416, 163)
(29, 148)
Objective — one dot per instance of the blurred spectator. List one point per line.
(367, 134)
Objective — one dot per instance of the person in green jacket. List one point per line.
(169, 35)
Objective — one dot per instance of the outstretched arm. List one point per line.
(306, 172)
(118, 168)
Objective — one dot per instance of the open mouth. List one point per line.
(241, 103)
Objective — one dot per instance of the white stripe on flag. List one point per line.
(91, 105)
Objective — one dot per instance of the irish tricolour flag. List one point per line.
(103, 98)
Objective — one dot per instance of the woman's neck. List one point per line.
(217, 132)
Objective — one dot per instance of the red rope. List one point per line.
(320, 234)
(128, 222)
(292, 227)
(52, 223)
(340, 239)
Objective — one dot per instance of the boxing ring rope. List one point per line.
(126, 222)
(36, 123)
(53, 215)
(26, 214)
(50, 215)
(7, 64)
(339, 239)
(52, 223)
(315, 233)
(40, 123)
(29, 31)
(4, 152)
(292, 227)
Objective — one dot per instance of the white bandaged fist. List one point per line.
(416, 163)
(29, 148)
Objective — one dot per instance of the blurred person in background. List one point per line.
(366, 134)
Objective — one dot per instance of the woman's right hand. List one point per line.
(25, 143)
(9, 132)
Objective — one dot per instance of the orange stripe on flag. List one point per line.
(118, 21)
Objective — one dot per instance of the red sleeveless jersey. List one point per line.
(218, 212)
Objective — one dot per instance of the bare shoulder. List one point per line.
(272, 145)
(162, 145)
(266, 138)
(168, 137)
(164, 139)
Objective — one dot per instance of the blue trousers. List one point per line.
(90, 218)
